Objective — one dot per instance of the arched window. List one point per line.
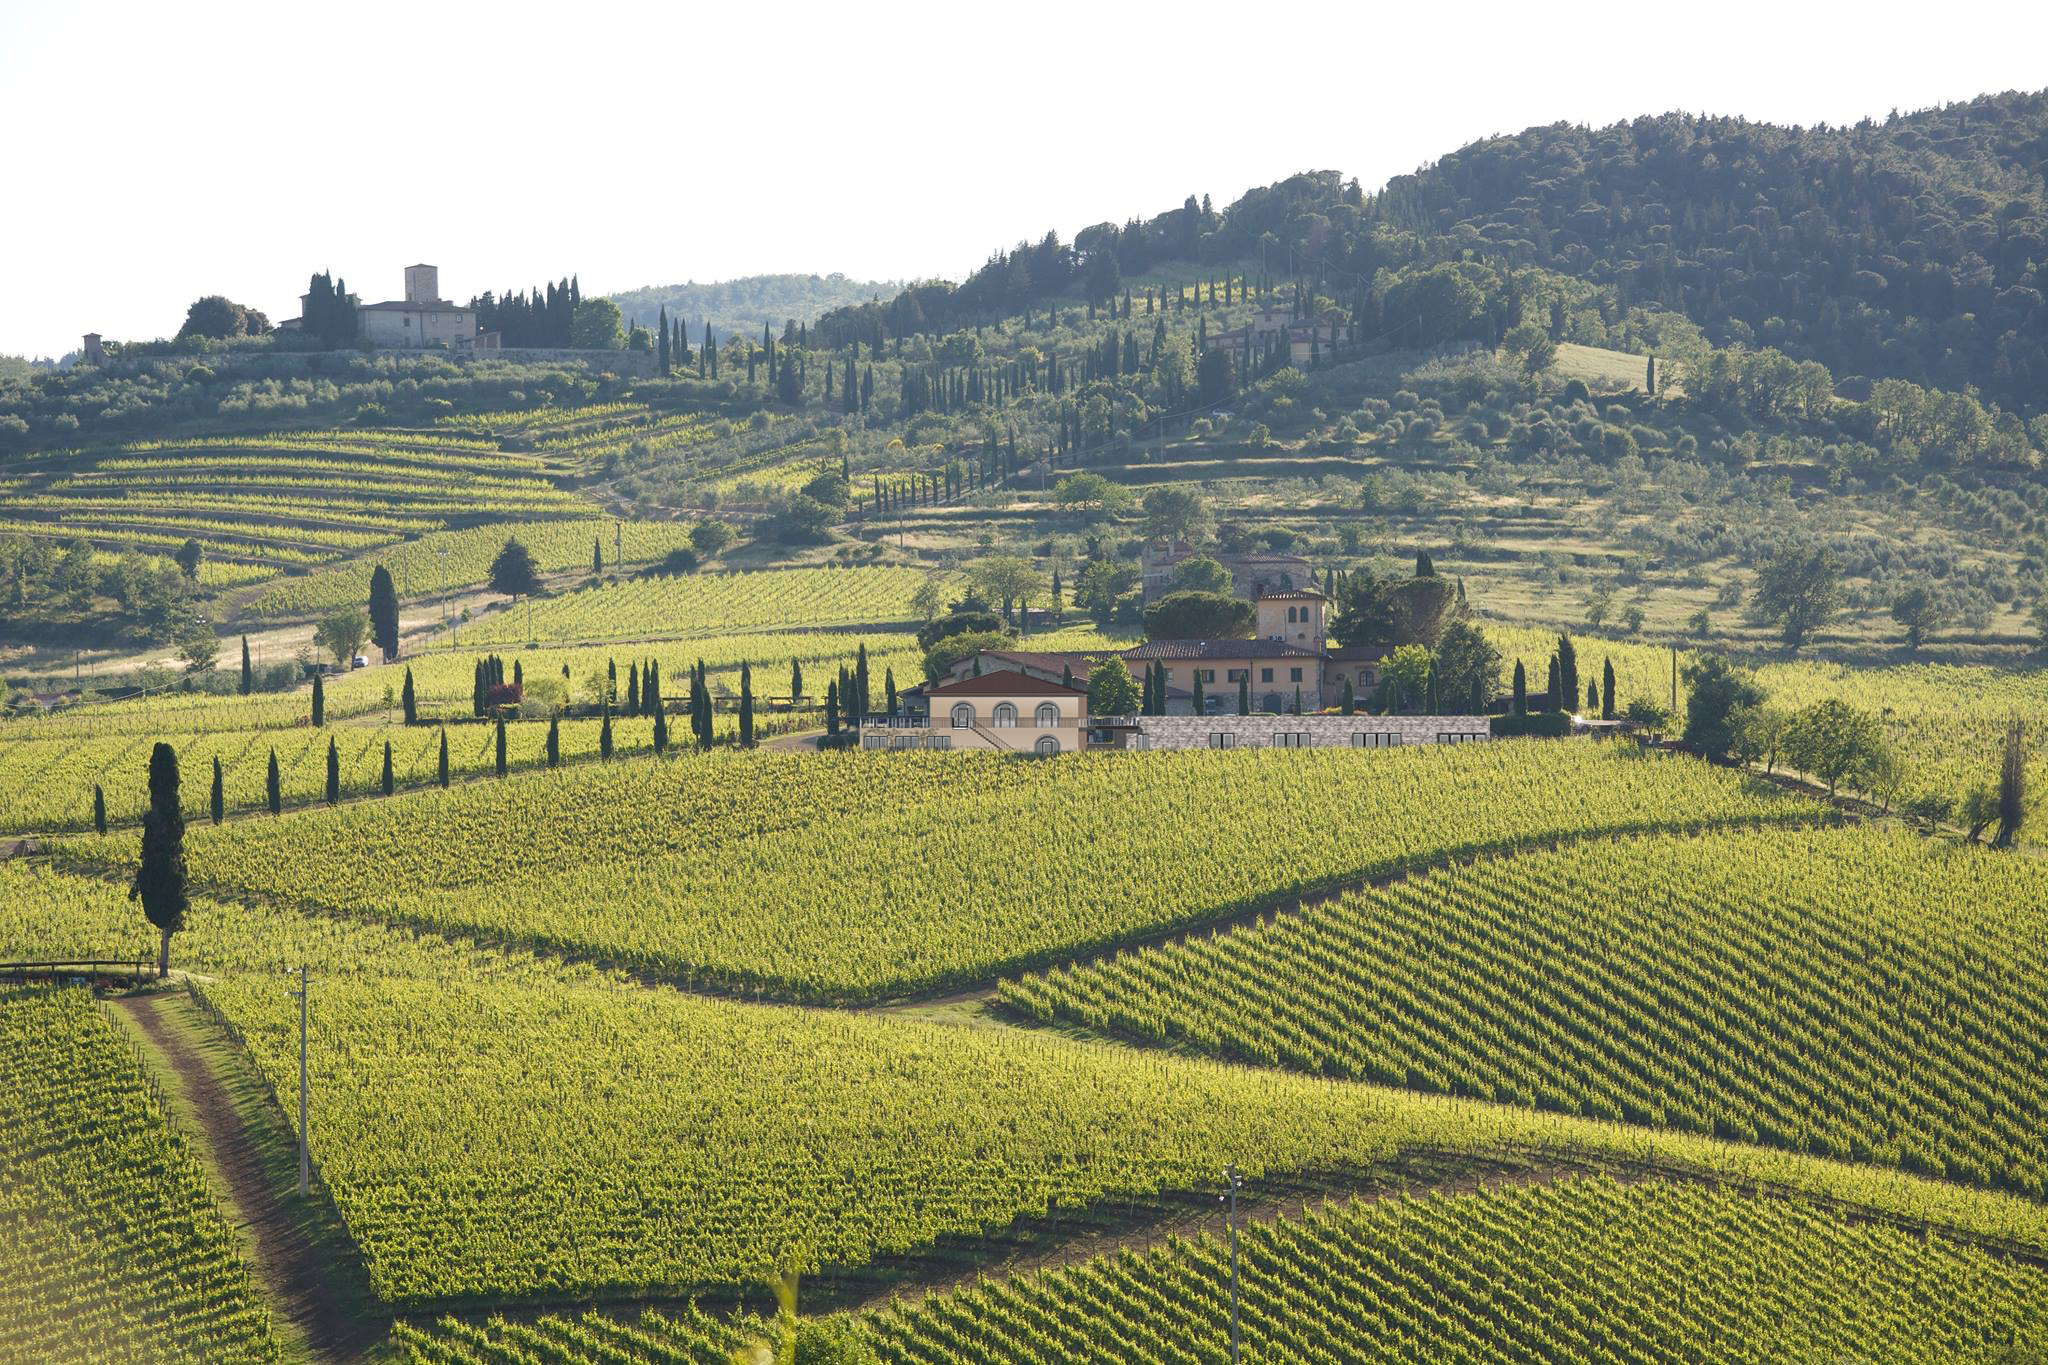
(1047, 745)
(963, 716)
(1048, 715)
(1006, 716)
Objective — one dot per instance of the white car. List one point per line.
(359, 662)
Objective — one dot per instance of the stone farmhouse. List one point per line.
(1305, 337)
(422, 320)
(1288, 654)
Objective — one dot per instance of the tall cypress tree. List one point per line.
(248, 673)
(273, 787)
(661, 343)
(860, 682)
(477, 687)
(501, 747)
(633, 690)
(604, 734)
(99, 809)
(384, 612)
(319, 702)
(1521, 693)
(441, 773)
(216, 804)
(1607, 689)
(333, 772)
(596, 557)
(889, 682)
(1350, 699)
(704, 686)
(412, 709)
(554, 740)
(1244, 694)
(746, 705)
(1567, 672)
(388, 781)
(796, 682)
(1199, 707)
(160, 877)
(660, 732)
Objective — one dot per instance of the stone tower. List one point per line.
(422, 284)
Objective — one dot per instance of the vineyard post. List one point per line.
(1235, 1182)
(305, 1161)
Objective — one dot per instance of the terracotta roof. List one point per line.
(1221, 649)
(404, 306)
(1004, 683)
(1050, 662)
(1292, 594)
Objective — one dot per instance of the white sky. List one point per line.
(156, 152)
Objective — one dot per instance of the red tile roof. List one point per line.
(1005, 683)
(1220, 649)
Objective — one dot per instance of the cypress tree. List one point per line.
(412, 710)
(633, 690)
(1350, 699)
(248, 673)
(384, 612)
(747, 704)
(1553, 698)
(1520, 706)
(611, 680)
(160, 877)
(1592, 698)
(273, 787)
(99, 809)
(441, 773)
(860, 682)
(518, 674)
(660, 732)
(333, 772)
(596, 557)
(554, 740)
(650, 689)
(1607, 690)
(1297, 700)
(319, 702)
(388, 781)
(216, 804)
(1066, 675)
(477, 688)
(501, 746)
(1567, 671)
(889, 681)
(604, 734)
(1244, 694)
(796, 681)
(1198, 706)
(831, 710)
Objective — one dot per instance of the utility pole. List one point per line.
(1235, 1183)
(1674, 683)
(305, 1160)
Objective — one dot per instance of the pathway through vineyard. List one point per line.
(300, 1251)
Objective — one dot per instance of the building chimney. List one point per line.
(422, 284)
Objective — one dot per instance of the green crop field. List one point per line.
(755, 901)
(1843, 992)
(1580, 1269)
(708, 604)
(112, 1244)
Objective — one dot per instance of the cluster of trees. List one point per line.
(221, 318)
(328, 312)
(44, 583)
(542, 317)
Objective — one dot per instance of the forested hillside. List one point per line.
(741, 306)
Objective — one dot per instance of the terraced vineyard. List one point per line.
(709, 604)
(111, 1244)
(751, 898)
(1583, 1269)
(292, 498)
(1844, 992)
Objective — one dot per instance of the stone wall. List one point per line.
(1322, 732)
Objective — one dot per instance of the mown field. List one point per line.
(112, 1243)
(752, 898)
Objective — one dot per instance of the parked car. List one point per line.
(359, 662)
